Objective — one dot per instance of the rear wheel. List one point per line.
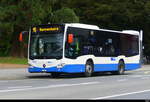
(88, 69)
(121, 68)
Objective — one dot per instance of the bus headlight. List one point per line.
(61, 65)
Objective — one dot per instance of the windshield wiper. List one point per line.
(58, 57)
(31, 57)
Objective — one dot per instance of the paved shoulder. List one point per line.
(9, 66)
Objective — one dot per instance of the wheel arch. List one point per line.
(90, 60)
(122, 61)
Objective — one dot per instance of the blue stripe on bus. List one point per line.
(132, 66)
(79, 68)
(114, 67)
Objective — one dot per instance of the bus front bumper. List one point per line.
(65, 69)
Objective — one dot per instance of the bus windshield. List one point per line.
(47, 45)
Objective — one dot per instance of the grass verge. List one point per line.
(13, 60)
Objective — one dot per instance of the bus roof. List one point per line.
(85, 26)
(94, 27)
(132, 32)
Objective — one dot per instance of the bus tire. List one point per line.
(88, 69)
(55, 75)
(121, 68)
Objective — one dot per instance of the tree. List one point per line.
(17, 16)
(64, 15)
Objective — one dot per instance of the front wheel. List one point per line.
(55, 75)
(88, 69)
(121, 68)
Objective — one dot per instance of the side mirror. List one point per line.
(21, 37)
(70, 38)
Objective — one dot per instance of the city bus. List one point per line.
(82, 48)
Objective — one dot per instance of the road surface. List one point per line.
(19, 84)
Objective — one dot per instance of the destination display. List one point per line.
(48, 29)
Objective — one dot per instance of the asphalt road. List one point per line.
(19, 84)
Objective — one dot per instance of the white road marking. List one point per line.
(19, 87)
(124, 94)
(145, 78)
(44, 87)
(137, 76)
(121, 80)
(147, 72)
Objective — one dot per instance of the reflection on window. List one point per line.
(46, 46)
(100, 43)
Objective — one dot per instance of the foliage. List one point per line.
(19, 15)
(116, 15)
(13, 60)
(67, 14)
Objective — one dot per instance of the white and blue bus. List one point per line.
(82, 48)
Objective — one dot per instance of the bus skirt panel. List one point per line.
(80, 68)
(114, 67)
